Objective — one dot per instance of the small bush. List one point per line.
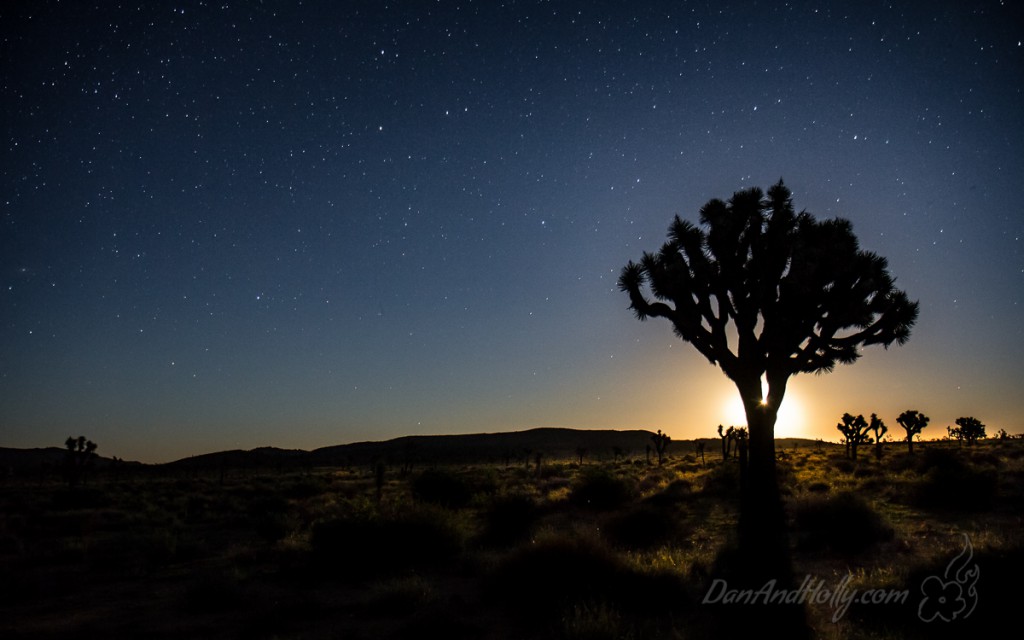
(951, 483)
(677, 491)
(304, 488)
(399, 596)
(722, 482)
(588, 621)
(843, 523)
(598, 488)
(844, 465)
(361, 546)
(509, 519)
(440, 487)
(819, 487)
(641, 528)
(545, 578)
(865, 472)
(213, 593)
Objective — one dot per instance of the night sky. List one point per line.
(230, 225)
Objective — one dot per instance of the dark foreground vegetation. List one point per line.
(596, 544)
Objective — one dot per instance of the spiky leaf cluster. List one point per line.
(800, 293)
(913, 422)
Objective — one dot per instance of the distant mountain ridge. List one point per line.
(553, 443)
(558, 443)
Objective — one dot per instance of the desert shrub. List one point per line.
(268, 515)
(595, 621)
(900, 462)
(509, 519)
(80, 498)
(986, 458)
(723, 481)
(399, 596)
(950, 482)
(214, 592)
(641, 528)
(487, 482)
(598, 488)
(362, 545)
(843, 465)
(864, 471)
(819, 487)
(677, 491)
(845, 523)
(440, 487)
(547, 577)
(304, 488)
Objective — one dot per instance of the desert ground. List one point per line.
(605, 544)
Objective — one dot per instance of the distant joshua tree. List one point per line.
(970, 429)
(879, 429)
(726, 436)
(580, 452)
(699, 446)
(912, 422)
(379, 478)
(78, 459)
(661, 441)
(741, 437)
(855, 433)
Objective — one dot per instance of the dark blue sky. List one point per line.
(299, 224)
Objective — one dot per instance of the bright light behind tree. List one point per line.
(790, 423)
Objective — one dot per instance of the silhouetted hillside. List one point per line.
(488, 447)
(21, 461)
(508, 447)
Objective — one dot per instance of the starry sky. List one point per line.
(298, 224)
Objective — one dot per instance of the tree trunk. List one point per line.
(762, 554)
(762, 530)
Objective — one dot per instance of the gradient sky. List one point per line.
(236, 224)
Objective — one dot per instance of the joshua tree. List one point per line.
(971, 429)
(661, 441)
(855, 432)
(912, 422)
(726, 437)
(379, 478)
(580, 452)
(878, 427)
(740, 435)
(78, 459)
(699, 447)
(801, 297)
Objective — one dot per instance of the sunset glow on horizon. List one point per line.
(303, 225)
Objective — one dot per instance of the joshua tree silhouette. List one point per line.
(970, 429)
(879, 429)
(855, 433)
(800, 296)
(78, 459)
(912, 422)
(727, 438)
(661, 441)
